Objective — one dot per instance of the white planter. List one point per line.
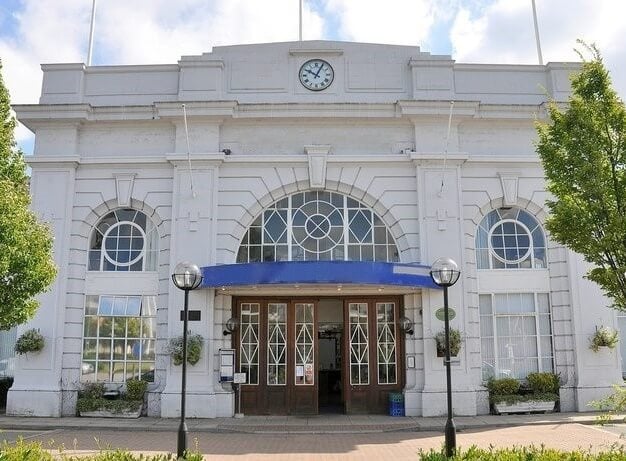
(524, 407)
(108, 414)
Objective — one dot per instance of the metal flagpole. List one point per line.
(300, 20)
(193, 192)
(93, 22)
(537, 34)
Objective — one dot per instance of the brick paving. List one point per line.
(377, 445)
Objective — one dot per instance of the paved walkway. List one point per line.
(317, 438)
(319, 424)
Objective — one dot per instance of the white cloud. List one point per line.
(503, 32)
(404, 22)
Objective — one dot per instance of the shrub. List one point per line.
(5, 384)
(34, 451)
(503, 386)
(194, 348)
(543, 387)
(614, 403)
(30, 341)
(92, 391)
(112, 406)
(543, 383)
(24, 451)
(524, 453)
(135, 389)
(91, 398)
(604, 337)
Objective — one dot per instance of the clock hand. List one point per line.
(311, 72)
(318, 71)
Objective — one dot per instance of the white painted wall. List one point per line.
(381, 128)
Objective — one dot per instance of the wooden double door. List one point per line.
(277, 347)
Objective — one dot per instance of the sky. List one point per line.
(33, 32)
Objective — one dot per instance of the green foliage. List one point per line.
(194, 349)
(532, 453)
(543, 383)
(30, 341)
(603, 337)
(111, 405)
(24, 451)
(91, 398)
(583, 152)
(455, 342)
(541, 387)
(26, 264)
(610, 405)
(92, 391)
(503, 386)
(135, 389)
(34, 451)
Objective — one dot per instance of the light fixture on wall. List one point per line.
(406, 325)
(231, 325)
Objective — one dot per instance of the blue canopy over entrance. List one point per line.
(312, 272)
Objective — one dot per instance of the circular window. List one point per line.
(510, 241)
(124, 243)
(318, 226)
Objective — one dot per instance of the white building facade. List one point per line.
(310, 181)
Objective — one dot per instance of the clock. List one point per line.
(316, 75)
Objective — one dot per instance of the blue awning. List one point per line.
(317, 272)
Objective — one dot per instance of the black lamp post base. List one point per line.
(450, 432)
(182, 440)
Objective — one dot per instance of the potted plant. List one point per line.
(603, 337)
(94, 400)
(194, 349)
(538, 394)
(30, 341)
(455, 342)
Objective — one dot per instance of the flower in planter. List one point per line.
(194, 348)
(603, 337)
(30, 341)
(455, 342)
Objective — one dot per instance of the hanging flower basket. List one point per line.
(30, 341)
(603, 337)
(455, 342)
(194, 349)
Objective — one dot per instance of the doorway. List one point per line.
(323, 355)
(330, 365)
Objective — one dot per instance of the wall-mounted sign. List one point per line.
(239, 378)
(441, 314)
(227, 365)
(192, 316)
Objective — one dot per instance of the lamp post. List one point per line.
(445, 273)
(187, 277)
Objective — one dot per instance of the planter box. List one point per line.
(524, 407)
(109, 414)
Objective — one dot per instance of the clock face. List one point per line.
(316, 74)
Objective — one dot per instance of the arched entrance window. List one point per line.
(316, 226)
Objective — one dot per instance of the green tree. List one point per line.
(26, 264)
(583, 151)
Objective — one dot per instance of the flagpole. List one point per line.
(537, 34)
(93, 22)
(300, 20)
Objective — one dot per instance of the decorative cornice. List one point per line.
(315, 52)
(220, 109)
(206, 159)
